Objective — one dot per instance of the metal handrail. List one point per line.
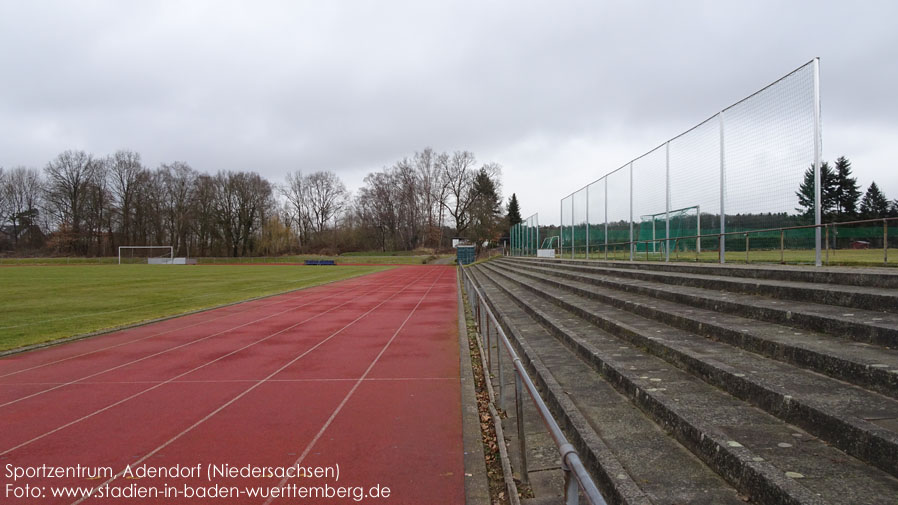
(745, 233)
(572, 465)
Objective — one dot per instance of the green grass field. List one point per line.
(39, 304)
(387, 258)
(382, 259)
(841, 257)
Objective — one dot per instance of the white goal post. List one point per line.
(171, 251)
(667, 214)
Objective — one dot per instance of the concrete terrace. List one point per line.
(709, 384)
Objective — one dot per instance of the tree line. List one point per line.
(840, 195)
(82, 204)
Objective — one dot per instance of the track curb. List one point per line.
(477, 491)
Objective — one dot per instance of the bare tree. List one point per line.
(205, 230)
(327, 197)
(98, 212)
(242, 201)
(376, 208)
(25, 188)
(124, 173)
(410, 199)
(433, 194)
(69, 177)
(146, 224)
(178, 184)
(4, 201)
(297, 199)
(459, 178)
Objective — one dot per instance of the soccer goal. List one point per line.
(146, 254)
(685, 222)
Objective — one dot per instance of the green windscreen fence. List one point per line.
(525, 237)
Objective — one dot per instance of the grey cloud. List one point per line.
(351, 86)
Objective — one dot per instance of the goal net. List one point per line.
(146, 254)
(653, 234)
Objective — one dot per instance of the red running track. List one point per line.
(359, 376)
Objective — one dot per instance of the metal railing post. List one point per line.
(489, 351)
(571, 489)
(577, 479)
(826, 229)
(477, 323)
(782, 247)
(501, 374)
(885, 241)
(746, 248)
(519, 414)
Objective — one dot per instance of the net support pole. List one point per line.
(573, 228)
(536, 217)
(666, 201)
(698, 227)
(587, 221)
(817, 148)
(723, 192)
(631, 212)
(606, 218)
(561, 228)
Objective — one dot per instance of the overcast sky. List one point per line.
(557, 92)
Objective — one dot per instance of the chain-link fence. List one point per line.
(754, 165)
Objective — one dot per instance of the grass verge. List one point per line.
(52, 302)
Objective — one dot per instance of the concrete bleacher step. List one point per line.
(880, 328)
(873, 277)
(758, 453)
(618, 443)
(851, 418)
(876, 298)
(862, 364)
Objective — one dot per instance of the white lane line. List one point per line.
(135, 395)
(355, 387)
(247, 391)
(168, 349)
(249, 307)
